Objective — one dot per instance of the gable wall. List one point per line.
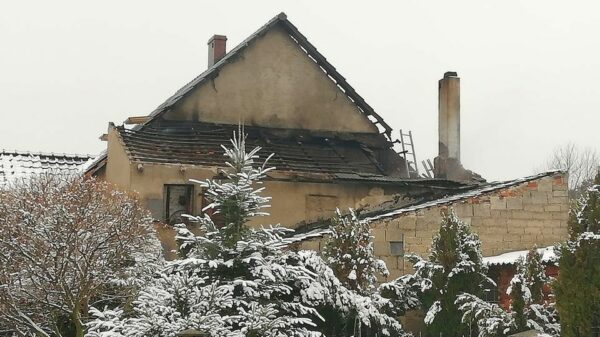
(118, 167)
(273, 83)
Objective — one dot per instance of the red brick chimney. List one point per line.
(217, 48)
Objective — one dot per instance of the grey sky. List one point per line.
(529, 69)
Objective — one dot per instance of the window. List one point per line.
(178, 201)
(490, 294)
(397, 247)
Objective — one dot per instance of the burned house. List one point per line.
(331, 150)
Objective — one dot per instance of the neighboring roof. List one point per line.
(15, 165)
(96, 164)
(393, 211)
(282, 21)
(548, 256)
(199, 143)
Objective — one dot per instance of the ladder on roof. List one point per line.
(408, 152)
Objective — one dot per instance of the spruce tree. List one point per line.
(349, 252)
(454, 267)
(239, 281)
(535, 276)
(577, 288)
(520, 296)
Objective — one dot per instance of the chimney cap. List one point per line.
(217, 37)
(450, 74)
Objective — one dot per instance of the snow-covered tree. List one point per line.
(454, 267)
(535, 276)
(68, 243)
(349, 252)
(577, 288)
(235, 280)
(520, 297)
(491, 320)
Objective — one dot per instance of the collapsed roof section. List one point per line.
(299, 153)
(15, 165)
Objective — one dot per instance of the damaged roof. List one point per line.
(344, 155)
(15, 165)
(353, 162)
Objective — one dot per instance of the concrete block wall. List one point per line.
(510, 219)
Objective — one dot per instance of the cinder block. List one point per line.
(407, 222)
(560, 193)
(463, 210)
(533, 230)
(545, 184)
(539, 198)
(541, 215)
(497, 203)
(517, 214)
(482, 210)
(392, 234)
(511, 237)
(552, 208)
(378, 234)
(560, 231)
(559, 200)
(560, 215)
(381, 248)
(390, 261)
(533, 208)
(514, 203)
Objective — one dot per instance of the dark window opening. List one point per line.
(397, 247)
(178, 201)
(490, 294)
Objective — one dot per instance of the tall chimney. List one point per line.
(447, 163)
(217, 48)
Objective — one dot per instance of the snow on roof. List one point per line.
(15, 165)
(548, 256)
(487, 188)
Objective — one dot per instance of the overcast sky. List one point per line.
(530, 70)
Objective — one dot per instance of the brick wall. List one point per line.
(514, 218)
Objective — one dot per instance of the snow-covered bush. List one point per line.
(68, 243)
(577, 288)
(234, 280)
(454, 267)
